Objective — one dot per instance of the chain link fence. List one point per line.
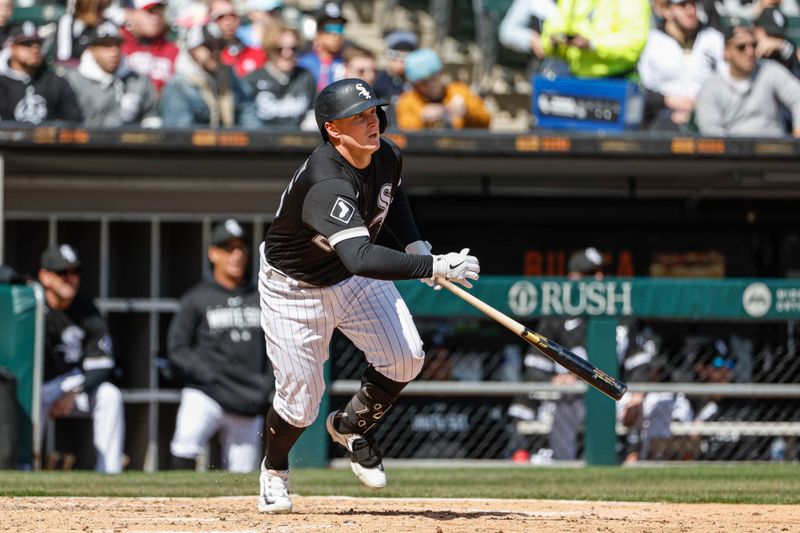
(520, 415)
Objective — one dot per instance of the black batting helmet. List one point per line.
(345, 98)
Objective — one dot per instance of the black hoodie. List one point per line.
(216, 345)
(43, 97)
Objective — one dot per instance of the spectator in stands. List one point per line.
(676, 61)
(74, 28)
(6, 11)
(244, 59)
(325, 61)
(215, 343)
(29, 90)
(771, 41)
(359, 63)
(391, 81)
(204, 92)
(109, 93)
(751, 9)
(636, 348)
(264, 19)
(434, 104)
(744, 97)
(145, 45)
(521, 28)
(78, 358)
(284, 92)
(597, 38)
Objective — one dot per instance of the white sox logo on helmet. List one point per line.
(363, 91)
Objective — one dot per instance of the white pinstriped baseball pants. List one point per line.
(298, 321)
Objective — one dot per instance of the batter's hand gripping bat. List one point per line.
(608, 385)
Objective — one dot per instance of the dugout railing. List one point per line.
(733, 302)
(139, 323)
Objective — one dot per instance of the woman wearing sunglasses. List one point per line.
(284, 92)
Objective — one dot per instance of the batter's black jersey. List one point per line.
(327, 202)
(77, 338)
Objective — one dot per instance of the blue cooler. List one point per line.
(587, 104)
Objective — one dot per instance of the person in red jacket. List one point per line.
(244, 59)
(145, 45)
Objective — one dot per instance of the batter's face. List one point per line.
(358, 136)
(230, 261)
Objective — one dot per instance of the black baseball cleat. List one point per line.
(365, 457)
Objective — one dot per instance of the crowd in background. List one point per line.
(717, 68)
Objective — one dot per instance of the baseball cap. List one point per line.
(401, 40)
(264, 5)
(60, 257)
(714, 352)
(226, 231)
(330, 12)
(106, 32)
(209, 36)
(773, 21)
(733, 24)
(422, 64)
(148, 4)
(585, 261)
(25, 32)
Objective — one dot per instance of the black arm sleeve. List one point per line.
(363, 258)
(400, 222)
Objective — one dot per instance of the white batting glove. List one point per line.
(458, 267)
(423, 248)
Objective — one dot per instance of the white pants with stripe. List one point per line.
(104, 406)
(298, 322)
(200, 417)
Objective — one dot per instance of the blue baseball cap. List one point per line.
(422, 64)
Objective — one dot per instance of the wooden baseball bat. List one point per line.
(608, 385)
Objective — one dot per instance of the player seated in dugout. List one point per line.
(216, 346)
(78, 359)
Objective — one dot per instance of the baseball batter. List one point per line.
(321, 270)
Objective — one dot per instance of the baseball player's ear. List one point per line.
(332, 130)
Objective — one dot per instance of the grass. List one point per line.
(749, 483)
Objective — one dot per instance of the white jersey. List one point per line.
(667, 68)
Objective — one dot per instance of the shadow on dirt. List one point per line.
(433, 515)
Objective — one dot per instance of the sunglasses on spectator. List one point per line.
(280, 49)
(744, 46)
(68, 272)
(396, 54)
(333, 28)
(721, 362)
(362, 71)
(232, 246)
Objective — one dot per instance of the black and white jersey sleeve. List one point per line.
(330, 209)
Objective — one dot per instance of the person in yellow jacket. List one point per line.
(598, 38)
(434, 104)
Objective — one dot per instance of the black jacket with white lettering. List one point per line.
(216, 345)
(282, 99)
(43, 97)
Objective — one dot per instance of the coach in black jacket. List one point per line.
(29, 91)
(217, 346)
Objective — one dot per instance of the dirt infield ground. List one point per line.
(140, 515)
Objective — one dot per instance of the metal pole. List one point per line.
(2, 213)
